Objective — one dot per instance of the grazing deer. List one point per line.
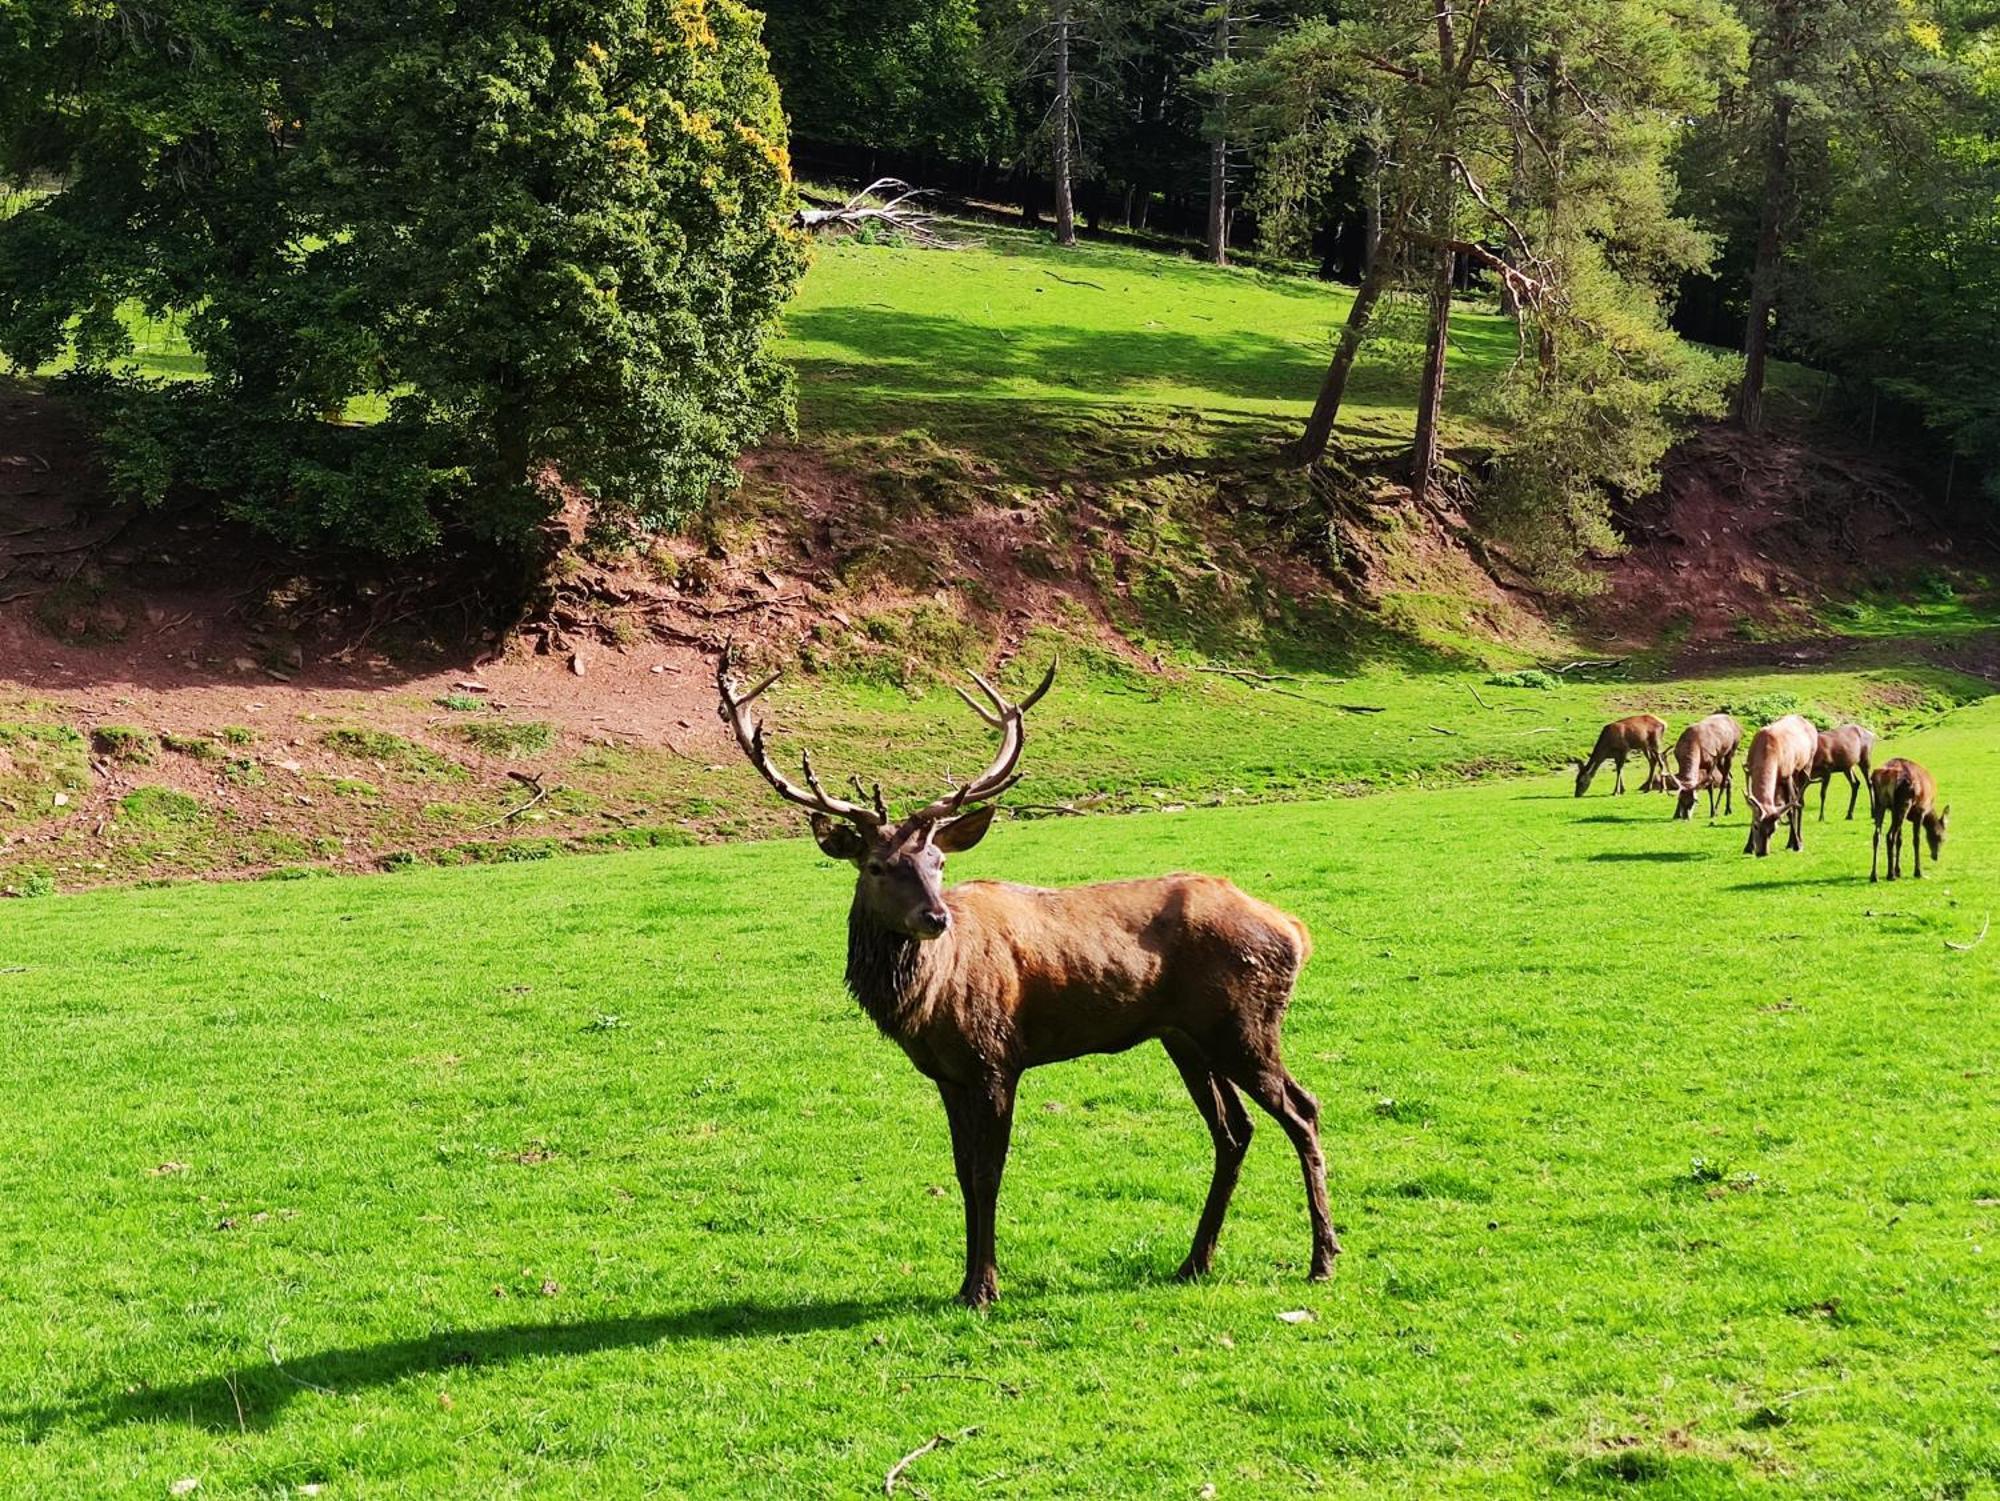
(1706, 754)
(1774, 782)
(1905, 793)
(1845, 751)
(982, 981)
(1640, 735)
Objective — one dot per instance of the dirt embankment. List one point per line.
(1751, 536)
(174, 699)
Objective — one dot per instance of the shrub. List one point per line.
(570, 264)
(1760, 709)
(238, 734)
(461, 703)
(1527, 677)
(29, 881)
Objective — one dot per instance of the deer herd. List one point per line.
(979, 982)
(1785, 758)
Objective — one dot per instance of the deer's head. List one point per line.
(900, 863)
(1764, 821)
(1934, 826)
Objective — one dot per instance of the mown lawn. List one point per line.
(1660, 1170)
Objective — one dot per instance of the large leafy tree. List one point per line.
(1903, 290)
(548, 239)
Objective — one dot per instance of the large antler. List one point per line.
(735, 708)
(1000, 775)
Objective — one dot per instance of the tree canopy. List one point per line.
(549, 241)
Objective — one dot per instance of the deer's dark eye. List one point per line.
(875, 867)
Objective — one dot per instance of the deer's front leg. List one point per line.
(982, 1122)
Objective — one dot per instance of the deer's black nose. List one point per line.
(932, 922)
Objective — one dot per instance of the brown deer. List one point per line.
(1845, 751)
(1640, 735)
(1904, 792)
(1706, 754)
(1774, 782)
(979, 982)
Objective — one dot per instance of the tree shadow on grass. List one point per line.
(253, 1396)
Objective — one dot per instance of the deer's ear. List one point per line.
(964, 831)
(837, 840)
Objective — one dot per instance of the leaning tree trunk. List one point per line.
(1217, 244)
(1065, 128)
(1311, 447)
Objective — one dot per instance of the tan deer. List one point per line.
(1905, 793)
(1844, 752)
(1706, 755)
(980, 982)
(1774, 781)
(1640, 735)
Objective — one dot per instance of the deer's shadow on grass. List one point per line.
(253, 1396)
(1622, 856)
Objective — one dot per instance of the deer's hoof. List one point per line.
(1191, 1270)
(978, 1295)
(1322, 1266)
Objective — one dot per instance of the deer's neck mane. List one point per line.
(885, 972)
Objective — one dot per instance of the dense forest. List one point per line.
(550, 243)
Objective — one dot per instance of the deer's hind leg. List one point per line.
(1252, 1062)
(1229, 1125)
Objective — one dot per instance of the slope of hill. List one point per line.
(1003, 450)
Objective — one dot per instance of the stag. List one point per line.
(1774, 781)
(1844, 751)
(1904, 792)
(1706, 754)
(979, 982)
(1640, 735)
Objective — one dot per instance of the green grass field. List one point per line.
(1017, 331)
(1660, 1170)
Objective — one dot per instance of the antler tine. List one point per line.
(734, 708)
(1000, 774)
(976, 706)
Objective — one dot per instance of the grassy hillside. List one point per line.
(886, 336)
(889, 336)
(1658, 1168)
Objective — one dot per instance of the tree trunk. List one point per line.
(1065, 133)
(1430, 396)
(1217, 242)
(1770, 228)
(1517, 183)
(1311, 447)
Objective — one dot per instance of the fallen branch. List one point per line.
(1251, 677)
(1442, 730)
(1476, 698)
(1966, 948)
(897, 213)
(939, 1441)
(1589, 662)
(542, 794)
